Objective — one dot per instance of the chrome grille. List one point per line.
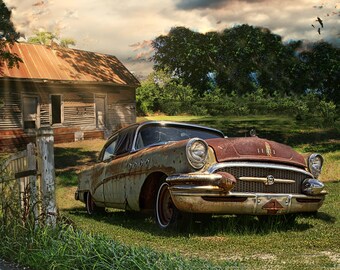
(250, 186)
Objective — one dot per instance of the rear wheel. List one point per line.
(166, 211)
(91, 207)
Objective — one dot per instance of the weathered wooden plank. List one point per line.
(45, 157)
(32, 165)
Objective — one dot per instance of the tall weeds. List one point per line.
(69, 248)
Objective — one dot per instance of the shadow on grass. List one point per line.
(323, 147)
(72, 157)
(321, 216)
(283, 131)
(233, 225)
(67, 178)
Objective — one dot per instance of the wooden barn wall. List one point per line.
(78, 104)
(10, 109)
(121, 109)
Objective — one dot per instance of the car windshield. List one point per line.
(157, 134)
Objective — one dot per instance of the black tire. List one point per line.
(165, 211)
(91, 207)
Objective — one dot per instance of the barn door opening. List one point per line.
(100, 111)
(30, 112)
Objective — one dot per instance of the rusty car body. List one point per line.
(177, 168)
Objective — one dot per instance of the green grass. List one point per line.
(69, 248)
(311, 242)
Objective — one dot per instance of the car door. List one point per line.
(116, 157)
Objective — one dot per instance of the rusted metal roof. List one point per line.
(62, 64)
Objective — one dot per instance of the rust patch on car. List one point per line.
(254, 148)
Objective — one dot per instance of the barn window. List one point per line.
(30, 112)
(56, 109)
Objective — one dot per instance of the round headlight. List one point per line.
(315, 162)
(197, 152)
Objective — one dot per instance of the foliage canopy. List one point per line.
(8, 35)
(49, 38)
(245, 58)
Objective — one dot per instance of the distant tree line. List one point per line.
(222, 72)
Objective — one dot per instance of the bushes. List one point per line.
(175, 99)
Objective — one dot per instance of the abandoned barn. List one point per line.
(79, 94)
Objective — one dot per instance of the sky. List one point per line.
(124, 28)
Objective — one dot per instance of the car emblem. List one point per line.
(272, 207)
(270, 180)
(268, 149)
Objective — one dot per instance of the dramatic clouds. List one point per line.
(125, 28)
(202, 4)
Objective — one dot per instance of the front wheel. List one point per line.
(166, 211)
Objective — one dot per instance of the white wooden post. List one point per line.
(32, 166)
(45, 155)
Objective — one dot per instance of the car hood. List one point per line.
(254, 149)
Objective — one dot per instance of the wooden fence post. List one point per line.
(31, 166)
(45, 155)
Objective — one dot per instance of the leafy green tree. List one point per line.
(67, 42)
(322, 62)
(8, 35)
(239, 59)
(184, 54)
(49, 38)
(250, 57)
(161, 93)
(42, 37)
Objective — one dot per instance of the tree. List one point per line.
(251, 57)
(240, 59)
(49, 38)
(8, 35)
(162, 93)
(67, 42)
(42, 37)
(184, 54)
(322, 62)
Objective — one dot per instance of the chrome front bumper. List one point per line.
(211, 198)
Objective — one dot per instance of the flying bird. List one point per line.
(319, 31)
(313, 26)
(320, 21)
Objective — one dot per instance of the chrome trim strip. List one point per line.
(218, 166)
(215, 191)
(194, 188)
(190, 177)
(264, 180)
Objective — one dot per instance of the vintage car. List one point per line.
(176, 169)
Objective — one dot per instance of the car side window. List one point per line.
(110, 149)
